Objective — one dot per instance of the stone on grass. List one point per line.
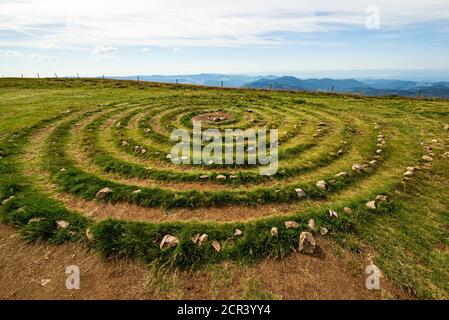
(307, 243)
(62, 224)
(204, 176)
(216, 245)
(341, 174)
(333, 214)
(411, 168)
(371, 204)
(311, 224)
(323, 231)
(137, 191)
(103, 192)
(291, 224)
(237, 232)
(300, 192)
(168, 241)
(62, 170)
(357, 166)
(446, 154)
(35, 220)
(373, 162)
(202, 238)
(195, 238)
(381, 197)
(321, 185)
(220, 177)
(89, 234)
(347, 210)
(427, 158)
(408, 173)
(274, 231)
(379, 151)
(7, 200)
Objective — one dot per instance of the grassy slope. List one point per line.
(411, 242)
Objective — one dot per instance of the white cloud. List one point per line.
(176, 50)
(103, 52)
(177, 23)
(146, 50)
(10, 54)
(38, 57)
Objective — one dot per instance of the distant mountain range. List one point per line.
(369, 87)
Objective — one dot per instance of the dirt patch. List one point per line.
(214, 117)
(37, 271)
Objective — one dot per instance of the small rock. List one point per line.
(216, 245)
(103, 192)
(379, 151)
(347, 210)
(408, 173)
(7, 200)
(381, 197)
(333, 214)
(341, 174)
(233, 176)
(321, 185)
(89, 234)
(220, 177)
(204, 176)
(311, 224)
(291, 225)
(237, 232)
(411, 169)
(202, 238)
(340, 151)
(168, 156)
(274, 232)
(35, 220)
(124, 143)
(307, 243)
(62, 170)
(137, 191)
(323, 231)
(446, 154)
(427, 158)
(195, 238)
(300, 192)
(357, 166)
(373, 162)
(62, 224)
(168, 241)
(371, 204)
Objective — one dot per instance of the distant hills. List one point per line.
(369, 87)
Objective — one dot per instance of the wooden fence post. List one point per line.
(332, 90)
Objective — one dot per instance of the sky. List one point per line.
(119, 38)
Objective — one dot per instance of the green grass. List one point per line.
(408, 234)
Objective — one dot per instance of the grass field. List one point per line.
(64, 140)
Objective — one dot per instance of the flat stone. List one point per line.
(7, 200)
(347, 210)
(274, 231)
(62, 224)
(311, 224)
(169, 241)
(408, 173)
(333, 214)
(371, 204)
(321, 185)
(202, 239)
(301, 193)
(291, 224)
(381, 197)
(220, 177)
(216, 245)
(103, 192)
(427, 158)
(204, 176)
(89, 234)
(307, 243)
(341, 174)
(237, 232)
(323, 231)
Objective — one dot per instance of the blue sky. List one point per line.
(112, 37)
